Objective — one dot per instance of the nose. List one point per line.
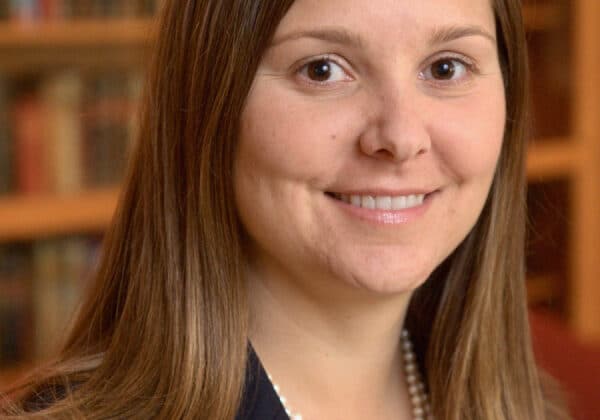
(397, 130)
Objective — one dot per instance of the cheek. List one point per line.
(299, 138)
(470, 137)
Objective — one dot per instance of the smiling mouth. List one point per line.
(381, 202)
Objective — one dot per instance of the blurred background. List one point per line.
(71, 73)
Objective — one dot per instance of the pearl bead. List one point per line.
(412, 379)
(418, 411)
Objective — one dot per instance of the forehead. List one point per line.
(410, 21)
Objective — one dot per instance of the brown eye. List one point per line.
(324, 71)
(319, 70)
(448, 69)
(443, 69)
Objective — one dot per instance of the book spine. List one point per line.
(24, 10)
(107, 129)
(78, 266)
(61, 271)
(34, 10)
(62, 101)
(15, 304)
(6, 142)
(51, 9)
(30, 159)
(46, 298)
(4, 10)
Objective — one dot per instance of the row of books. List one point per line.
(66, 132)
(35, 10)
(41, 284)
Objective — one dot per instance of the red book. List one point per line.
(50, 9)
(28, 125)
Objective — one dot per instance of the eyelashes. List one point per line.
(323, 71)
(449, 70)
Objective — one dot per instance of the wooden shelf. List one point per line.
(551, 158)
(543, 17)
(112, 43)
(76, 33)
(31, 217)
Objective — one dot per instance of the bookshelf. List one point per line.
(75, 76)
(564, 153)
(564, 161)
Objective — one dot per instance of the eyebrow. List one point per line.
(344, 37)
(334, 35)
(450, 33)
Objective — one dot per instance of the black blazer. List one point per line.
(259, 400)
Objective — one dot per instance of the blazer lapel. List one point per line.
(259, 400)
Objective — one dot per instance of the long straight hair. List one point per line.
(163, 331)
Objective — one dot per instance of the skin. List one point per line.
(329, 287)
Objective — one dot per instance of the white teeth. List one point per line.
(412, 201)
(367, 202)
(398, 203)
(383, 202)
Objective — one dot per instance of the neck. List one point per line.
(330, 352)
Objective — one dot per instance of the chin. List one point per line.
(400, 281)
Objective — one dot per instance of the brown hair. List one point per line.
(163, 331)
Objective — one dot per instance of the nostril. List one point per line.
(384, 154)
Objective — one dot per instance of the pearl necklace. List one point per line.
(421, 409)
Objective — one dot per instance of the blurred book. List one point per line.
(108, 114)
(6, 142)
(37, 10)
(41, 287)
(15, 315)
(29, 149)
(67, 132)
(62, 94)
(61, 270)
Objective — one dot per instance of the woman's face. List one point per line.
(369, 140)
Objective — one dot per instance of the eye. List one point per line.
(447, 69)
(323, 70)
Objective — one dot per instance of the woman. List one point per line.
(315, 179)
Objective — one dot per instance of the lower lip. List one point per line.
(387, 217)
